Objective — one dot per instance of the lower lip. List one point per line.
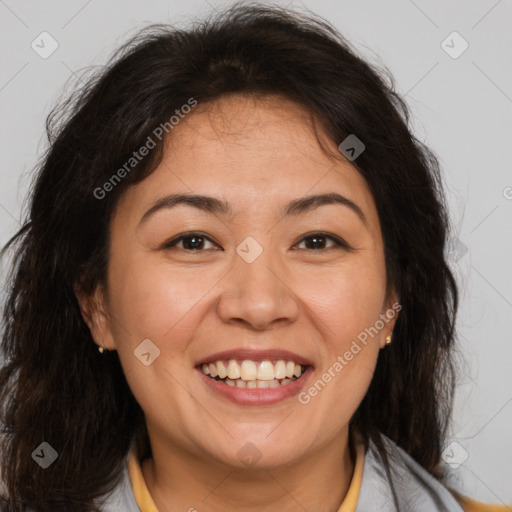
(257, 396)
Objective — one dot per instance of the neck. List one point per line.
(179, 480)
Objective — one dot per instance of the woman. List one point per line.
(231, 293)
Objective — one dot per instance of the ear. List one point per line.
(389, 315)
(95, 314)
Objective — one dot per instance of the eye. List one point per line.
(191, 242)
(195, 242)
(318, 241)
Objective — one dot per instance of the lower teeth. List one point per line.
(253, 384)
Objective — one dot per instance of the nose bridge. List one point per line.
(255, 293)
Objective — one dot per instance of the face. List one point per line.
(261, 283)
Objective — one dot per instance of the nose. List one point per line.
(256, 295)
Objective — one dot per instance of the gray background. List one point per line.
(462, 108)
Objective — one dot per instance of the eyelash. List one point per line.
(339, 242)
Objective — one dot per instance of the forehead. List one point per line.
(251, 152)
(248, 133)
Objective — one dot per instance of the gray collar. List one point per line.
(416, 489)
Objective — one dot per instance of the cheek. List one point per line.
(154, 300)
(151, 300)
(346, 299)
(346, 303)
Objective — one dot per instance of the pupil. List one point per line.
(314, 241)
(194, 245)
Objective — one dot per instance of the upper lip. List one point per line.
(257, 355)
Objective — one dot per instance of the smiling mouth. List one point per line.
(250, 374)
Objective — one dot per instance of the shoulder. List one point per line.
(408, 486)
(469, 505)
(121, 498)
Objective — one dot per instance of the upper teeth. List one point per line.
(252, 370)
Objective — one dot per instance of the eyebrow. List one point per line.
(217, 206)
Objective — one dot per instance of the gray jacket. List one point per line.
(416, 490)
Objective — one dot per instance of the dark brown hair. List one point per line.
(56, 387)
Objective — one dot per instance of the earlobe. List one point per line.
(391, 313)
(94, 314)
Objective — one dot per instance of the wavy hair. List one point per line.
(56, 387)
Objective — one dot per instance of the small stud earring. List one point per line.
(101, 349)
(388, 339)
